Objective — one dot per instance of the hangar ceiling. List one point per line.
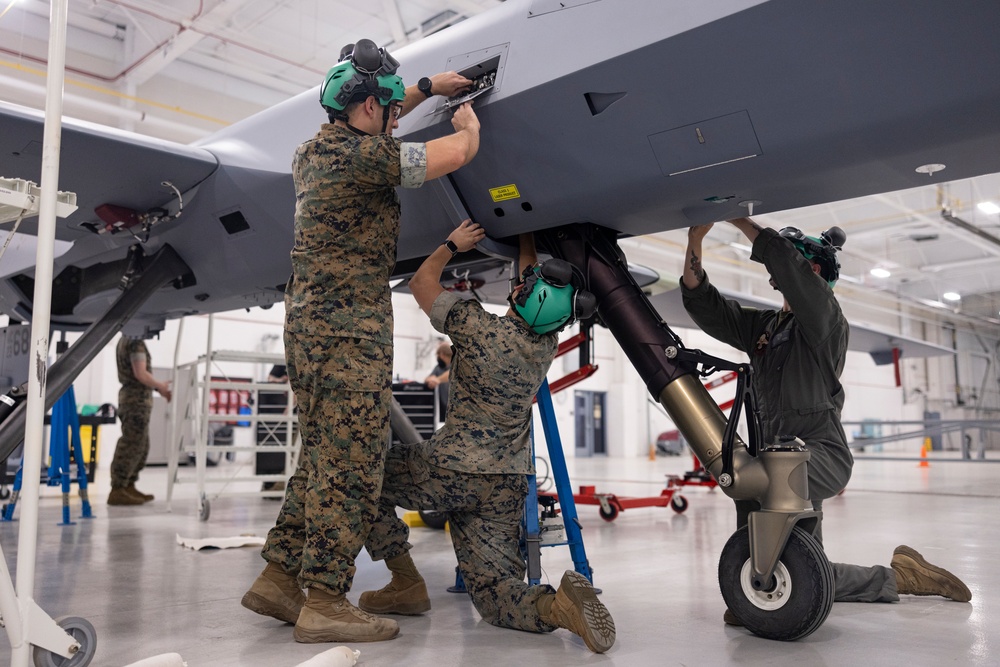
(181, 69)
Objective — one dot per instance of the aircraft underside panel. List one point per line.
(787, 104)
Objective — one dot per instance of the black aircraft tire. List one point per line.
(433, 519)
(800, 602)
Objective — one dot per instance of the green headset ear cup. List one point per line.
(366, 56)
(586, 305)
(557, 271)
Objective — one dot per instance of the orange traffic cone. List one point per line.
(924, 463)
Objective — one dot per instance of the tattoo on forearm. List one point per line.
(696, 269)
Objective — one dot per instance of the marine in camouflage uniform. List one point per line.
(798, 355)
(338, 346)
(338, 334)
(135, 404)
(475, 466)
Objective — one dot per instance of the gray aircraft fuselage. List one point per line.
(637, 115)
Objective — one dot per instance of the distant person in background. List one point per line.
(441, 375)
(135, 404)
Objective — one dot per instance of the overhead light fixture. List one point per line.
(880, 272)
(952, 296)
(988, 207)
(929, 169)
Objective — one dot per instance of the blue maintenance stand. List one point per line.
(64, 439)
(534, 535)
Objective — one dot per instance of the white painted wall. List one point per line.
(632, 421)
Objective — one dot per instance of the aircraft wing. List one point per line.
(100, 164)
(879, 344)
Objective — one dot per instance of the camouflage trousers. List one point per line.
(331, 500)
(133, 445)
(485, 513)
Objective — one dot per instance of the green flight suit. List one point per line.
(798, 358)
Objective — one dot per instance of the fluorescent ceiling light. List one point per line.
(952, 296)
(988, 207)
(880, 272)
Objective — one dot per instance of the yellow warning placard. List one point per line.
(505, 192)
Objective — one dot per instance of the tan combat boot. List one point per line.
(121, 496)
(330, 617)
(275, 593)
(915, 576)
(146, 497)
(406, 594)
(575, 607)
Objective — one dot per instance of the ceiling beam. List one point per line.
(187, 38)
(939, 223)
(395, 21)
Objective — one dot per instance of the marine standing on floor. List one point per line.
(798, 355)
(135, 405)
(338, 334)
(475, 467)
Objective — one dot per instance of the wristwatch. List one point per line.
(424, 86)
(452, 248)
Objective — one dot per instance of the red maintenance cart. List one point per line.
(611, 504)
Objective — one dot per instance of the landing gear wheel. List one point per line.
(610, 515)
(204, 509)
(433, 519)
(801, 594)
(678, 504)
(83, 632)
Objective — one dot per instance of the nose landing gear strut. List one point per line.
(773, 573)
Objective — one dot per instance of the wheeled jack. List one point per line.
(773, 573)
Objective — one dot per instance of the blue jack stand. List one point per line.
(571, 524)
(64, 435)
(533, 532)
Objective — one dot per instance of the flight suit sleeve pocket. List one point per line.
(813, 409)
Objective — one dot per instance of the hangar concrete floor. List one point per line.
(145, 595)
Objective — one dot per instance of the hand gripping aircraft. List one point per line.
(600, 119)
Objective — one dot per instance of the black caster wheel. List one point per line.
(4, 492)
(204, 509)
(435, 520)
(678, 504)
(83, 632)
(610, 515)
(800, 594)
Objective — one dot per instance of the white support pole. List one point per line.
(41, 306)
(201, 447)
(173, 443)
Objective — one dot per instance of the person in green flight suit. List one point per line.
(798, 355)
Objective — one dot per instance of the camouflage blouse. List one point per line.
(346, 227)
(498, 366)
(128, 349)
